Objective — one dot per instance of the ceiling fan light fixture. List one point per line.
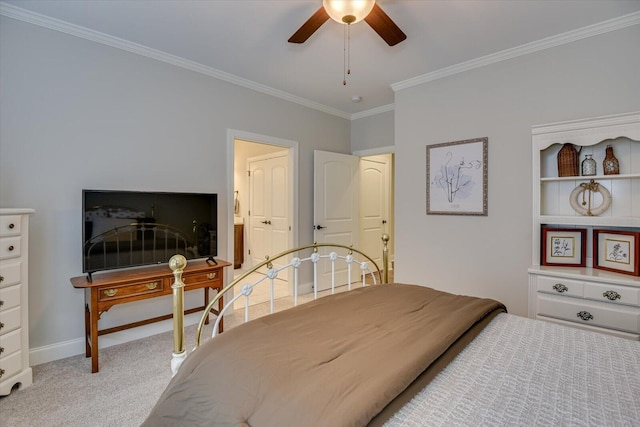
(348, 11)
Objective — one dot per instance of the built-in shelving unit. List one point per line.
(579, 296)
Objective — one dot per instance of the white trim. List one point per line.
(373, 111)
(118, 43)
(525, 49)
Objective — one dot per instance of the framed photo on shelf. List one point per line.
(564, 247)
(457, 177)
(617, 251)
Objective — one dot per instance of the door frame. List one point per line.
(292, 151)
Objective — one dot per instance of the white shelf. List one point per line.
(588, 178)
(590, 220)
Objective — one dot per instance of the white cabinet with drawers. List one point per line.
(14, 313)
(583, 295)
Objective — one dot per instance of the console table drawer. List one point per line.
(10, 297)
(590, 312)
(612, 294)
(212, 278)
(10, 273)
(9, 320)
(556, 285)
(131, 290)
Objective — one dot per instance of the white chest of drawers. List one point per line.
(14, 314)
(586, 298)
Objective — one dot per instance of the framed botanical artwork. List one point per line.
(564, 247)
(457, 177)
(617, 251)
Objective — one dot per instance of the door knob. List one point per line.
(319, 227)
(266, 222)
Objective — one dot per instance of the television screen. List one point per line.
(135, 228)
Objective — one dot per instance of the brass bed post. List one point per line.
(177, 263)
(385, 258)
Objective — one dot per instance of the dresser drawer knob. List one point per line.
(1, 350)
(612, 295)
(585, 315)
(110, 292)
(12, 226)
(212, 276)
(11, 248)
(1, 303)
(152, 286)
(1, 372)
(559, 287)
(1, 278)
(1, 325)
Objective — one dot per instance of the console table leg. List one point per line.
(94, 316)
(87, 330)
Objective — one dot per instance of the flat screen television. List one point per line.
(123, 229)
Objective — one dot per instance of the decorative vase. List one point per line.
(568, 160)
(610, 163)
(588, 165)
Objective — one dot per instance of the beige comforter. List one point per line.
(336, 361)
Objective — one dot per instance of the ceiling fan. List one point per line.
(349, 12)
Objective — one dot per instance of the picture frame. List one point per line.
(564, 247)
(617, 251)
(457, 177)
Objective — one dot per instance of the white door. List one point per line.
(269, 209)
(375, 206)
(336, 202)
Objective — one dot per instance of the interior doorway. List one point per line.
(354, 204)
(246, 245)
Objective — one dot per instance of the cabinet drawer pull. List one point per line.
(11, 248)
(152, 286)
(612, 295)
(1, 372)
(110, 292)
(585, 315)
(559, 287)
(1, 325)
(1, 350)
(212, 276)
(1, 303)
(12, 226)
(1, 278)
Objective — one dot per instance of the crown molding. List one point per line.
(525, 49)
(373, 111)
(24, 15)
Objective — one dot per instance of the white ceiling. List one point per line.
(247, 39)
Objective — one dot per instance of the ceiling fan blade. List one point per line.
(384, 26)
(310, 27)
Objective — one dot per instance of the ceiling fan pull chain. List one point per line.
(344, 56)
(348, 49)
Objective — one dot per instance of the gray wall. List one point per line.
(489, 256)
(372, 132)
(77, 114)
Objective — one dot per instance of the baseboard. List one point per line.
(51, 352)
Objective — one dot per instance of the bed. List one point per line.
(397, 355)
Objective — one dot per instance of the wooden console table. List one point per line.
(120, 287)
